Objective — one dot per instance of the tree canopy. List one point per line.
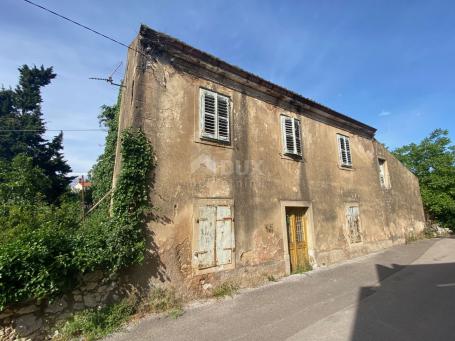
(23, 128)
(433, 162)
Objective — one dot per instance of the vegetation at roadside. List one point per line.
(44, 245)
(92, 324)
(433, 162)
(161, 300)
(227, 288)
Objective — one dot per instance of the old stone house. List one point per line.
(253, 179)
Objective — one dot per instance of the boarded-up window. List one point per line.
(214, 116)
(344, 151)
(291, 133)
(215, 236)
(383, 174)
(353, 220)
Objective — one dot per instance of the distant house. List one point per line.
(253, 179)
(80, 183)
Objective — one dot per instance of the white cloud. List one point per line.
(384, 113)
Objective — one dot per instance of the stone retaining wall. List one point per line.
(35, 320)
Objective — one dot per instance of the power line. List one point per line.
(35, 130)
(85, 27)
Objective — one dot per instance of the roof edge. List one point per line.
(171, 44)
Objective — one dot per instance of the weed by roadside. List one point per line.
(271, 278)
(306, 266)
(175, 313)
(93, 324)
(161, 300)
(225, 289)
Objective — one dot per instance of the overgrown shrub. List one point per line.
(44, 248)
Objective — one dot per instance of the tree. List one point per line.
(21, 181)
(102, 172)
(433, 162)
(23, 129)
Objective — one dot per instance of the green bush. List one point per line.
(44, 248)
(36, 258)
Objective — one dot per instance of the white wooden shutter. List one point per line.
(344, 150)
(206, 242)
(287, 129)
(382, 172)
(223, 117)
(224, 235)
(297, 137)
(208, 114)
(348, 151)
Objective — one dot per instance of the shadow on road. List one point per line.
(414, 302)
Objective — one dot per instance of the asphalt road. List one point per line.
(406, 292)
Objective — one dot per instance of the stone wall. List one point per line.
(36, 320)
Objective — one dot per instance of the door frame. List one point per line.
(309, 230)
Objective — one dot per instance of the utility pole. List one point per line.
(83, 196)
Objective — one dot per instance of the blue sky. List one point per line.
(389, 64)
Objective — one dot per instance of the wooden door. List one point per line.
(297, 238)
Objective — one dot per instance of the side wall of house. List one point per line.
(253, 174)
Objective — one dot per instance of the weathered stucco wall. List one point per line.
(162, 97)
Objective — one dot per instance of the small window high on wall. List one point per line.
(291, 136)
(344, 151)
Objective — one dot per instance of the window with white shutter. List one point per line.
(215, 240)
(344, 151)
(214, 116)
(291, 133)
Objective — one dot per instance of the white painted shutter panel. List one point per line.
(223, 118)
(341, 150)
(208, 115)
(224, 235)
(348, 151)
(298, 139)
(344, 150)
(206, 241)
(382, 173)
(288, 134)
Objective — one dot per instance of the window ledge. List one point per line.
(292, 157)
(216, 143)
(217, 268)
(346, 168)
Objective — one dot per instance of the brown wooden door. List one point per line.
(297, 239)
